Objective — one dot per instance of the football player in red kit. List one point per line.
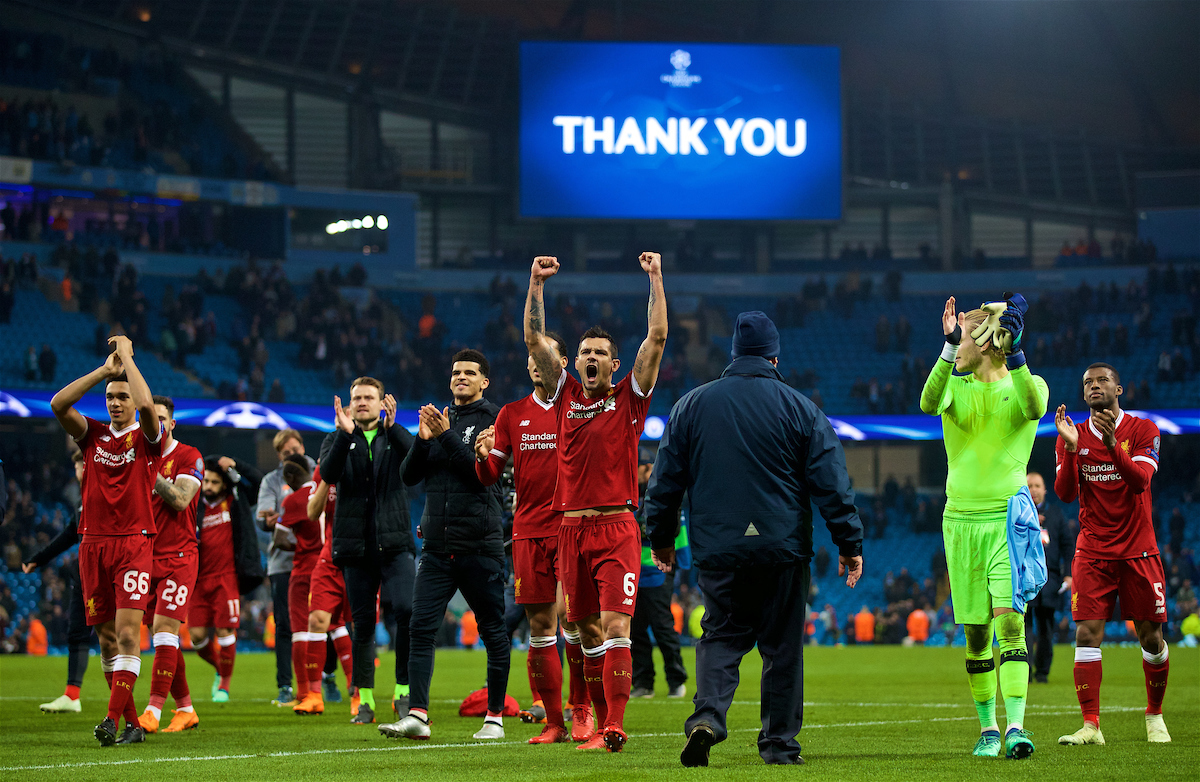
(116, 551)
(328, 608)
(1108, 464)
(173, 577)
(599, 541)
(526, 430)
(217, 602)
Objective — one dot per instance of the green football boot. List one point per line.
(988, 745)
(1017, 744)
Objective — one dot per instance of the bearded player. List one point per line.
(1108, 465)
(989, 420)
(117, 523)
(599, 541)
(527, 430)
(173, 577)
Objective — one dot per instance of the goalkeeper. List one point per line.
(990, 527)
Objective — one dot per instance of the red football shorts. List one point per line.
(172, 584)
(326, 592)
(599, 562)
(1099, 582)
(535, 570)
(217, 602)
(114, 573)
(298, 587)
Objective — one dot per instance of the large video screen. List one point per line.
(680, 131)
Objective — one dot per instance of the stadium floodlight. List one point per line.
(368, 222)
(331, 228)
(343, 225)
(356, 224)
(381, 222)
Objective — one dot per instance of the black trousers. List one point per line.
(79, 634)
(283, 629)
(390, 579)
(761, 605)
(481, 580)
(1041, 616)
(653, 612)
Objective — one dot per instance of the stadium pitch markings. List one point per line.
(460, 745)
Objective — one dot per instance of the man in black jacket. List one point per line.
(79, 634)
(463, 543)
(1058, 539)
(372, 534)
(751, 454)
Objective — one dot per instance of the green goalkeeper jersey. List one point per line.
(988, 430)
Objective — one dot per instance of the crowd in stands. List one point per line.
(150, 115)
(1135, 252)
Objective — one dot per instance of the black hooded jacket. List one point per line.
(247, 560)
(462, 516)
(372, 516)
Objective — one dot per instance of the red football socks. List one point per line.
(577, 690)
(1088, 675)
(593, 674)
(163, 674)
(207, 651)
(545, 678)
(343, 646)
(225, 658)
(72, 692)
(1156, 668)
(179, 685)
(618, 678)
(300, 664)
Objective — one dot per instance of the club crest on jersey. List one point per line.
(129, 440)
(1125, 446)
(166, 470)
(467, 435)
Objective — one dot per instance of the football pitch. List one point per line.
(875, 713)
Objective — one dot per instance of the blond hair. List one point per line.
(284, 436)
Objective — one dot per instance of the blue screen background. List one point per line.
(623, 80)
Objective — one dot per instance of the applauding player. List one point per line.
(599, 542)
(117, 523)
(173, 578)
(1108, 465)
(527, 430)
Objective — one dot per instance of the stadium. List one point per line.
(288, 211)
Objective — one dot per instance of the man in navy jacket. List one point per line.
(751, 454)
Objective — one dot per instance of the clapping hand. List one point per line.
(1106, 422)
(1066, 428)
(389, 411)
(342, 419)
(435, 422)
(485, 442)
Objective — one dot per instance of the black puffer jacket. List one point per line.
(462, 516)
(372, 505)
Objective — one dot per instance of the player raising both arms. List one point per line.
(599, 542)
(1108, 465)
(527, 430)
(117, 523)
(173, 577)
(989, 421)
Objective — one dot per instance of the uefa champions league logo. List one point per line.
(680, 61)
(10, 405)
(246, 415)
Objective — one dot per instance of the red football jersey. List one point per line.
(181, 464)
(1114, 522)
(308, 533)
(216, 540)
(118, 479)
(326, 516)
(598, 444)
(527, 430)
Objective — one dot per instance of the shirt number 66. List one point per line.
(136, 582)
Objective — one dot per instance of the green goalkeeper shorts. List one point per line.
(979, 568)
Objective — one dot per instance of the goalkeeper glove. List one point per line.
(1004, 324)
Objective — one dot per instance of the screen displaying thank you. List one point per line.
(681, 131)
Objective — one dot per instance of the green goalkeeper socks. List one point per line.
(981, 673)
(1014, 666)
(401, 691)
(367, 696)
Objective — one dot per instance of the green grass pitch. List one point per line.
(873, 713)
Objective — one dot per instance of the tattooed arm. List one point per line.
(176, 495)
(649, 355)
(544, 267)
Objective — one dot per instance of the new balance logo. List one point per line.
(525, 422)
(627, 601)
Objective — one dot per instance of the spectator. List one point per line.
(883, 334)
(47, 363)
(918, 626)
(1176, 526)
(276, 394)
(31, 364)
(864, 626)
